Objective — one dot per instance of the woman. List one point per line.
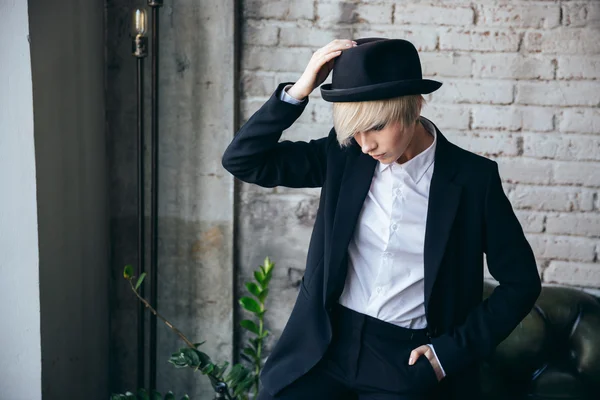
(390, 303)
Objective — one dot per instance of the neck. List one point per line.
(420, 141)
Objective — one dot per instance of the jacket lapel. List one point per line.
(356, 181)
(444, 197)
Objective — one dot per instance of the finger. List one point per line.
(338, 44)
(324, 59)
(416, 353)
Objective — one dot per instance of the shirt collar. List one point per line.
(418, 165)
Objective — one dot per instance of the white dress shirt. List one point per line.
(386, 270)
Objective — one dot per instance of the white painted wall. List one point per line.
(20, 349)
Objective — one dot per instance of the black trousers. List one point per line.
(366, 360)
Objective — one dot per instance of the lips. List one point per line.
(377, 157)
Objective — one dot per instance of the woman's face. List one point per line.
(386, 144)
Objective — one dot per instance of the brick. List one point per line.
(562, 93)
(519, 16)
(496, 117)
(576, 173)
(447, 116)
(512, 66)
(563, 247)
(551, 198)
(580, 120)
(320, 112)
(279, 9)
(256, 83)
(249, 107)
(304, 129)
(259, 34)
(570, 273)
(583, 224)
(480, 40)
(578, 67)
(292, 36)
(471, 91)
(531, 222)
(276, 59)
(281, 77)
(446, 64)
(486, 144)
(407, 13)
(581, 14)
(525, 170)
(562, 147)
(374, 13)
(563, 41)
(345, 12)
(422, 38)
(538, 119)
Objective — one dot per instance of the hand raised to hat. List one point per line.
(319, 67)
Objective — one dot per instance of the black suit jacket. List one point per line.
(468, 216)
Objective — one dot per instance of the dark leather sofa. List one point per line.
(553, 354)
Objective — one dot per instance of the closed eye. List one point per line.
(378, 127)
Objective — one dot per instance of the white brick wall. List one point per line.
(521, 86)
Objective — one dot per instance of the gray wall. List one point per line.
(67, 53)
(20, 352)
(195, 213)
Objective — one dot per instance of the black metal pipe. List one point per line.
(154, 194)
(140, 216)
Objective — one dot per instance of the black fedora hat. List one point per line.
(376, 69)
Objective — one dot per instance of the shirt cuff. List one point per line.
(442, 368)
(289, 99)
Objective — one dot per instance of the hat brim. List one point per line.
(380, 91)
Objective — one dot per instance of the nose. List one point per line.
(365, 145)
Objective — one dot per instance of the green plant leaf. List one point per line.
(130, 396)
(250, 304)
(250, 325)
(220, 369)
(169, 396)
(191, 356)
(267, 279)
(253, 288)
(178, 360)
(263, 295)
(245, 357)
(186, 397)
(236, 374)
(259, 276)
(250, 353)
(208, 369)
(140, 280)
(268, 265)
(156, 395)
(128, 272)
(264, 334)
(254, 343)
(199, 344)
(143, 394)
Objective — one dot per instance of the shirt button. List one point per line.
(394, 227)
(378, 289)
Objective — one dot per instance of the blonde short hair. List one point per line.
(350, 118)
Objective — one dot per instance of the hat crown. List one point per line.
(375, 61)
(377, 69)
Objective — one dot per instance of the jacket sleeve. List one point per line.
(257, 156)
(512, 263)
